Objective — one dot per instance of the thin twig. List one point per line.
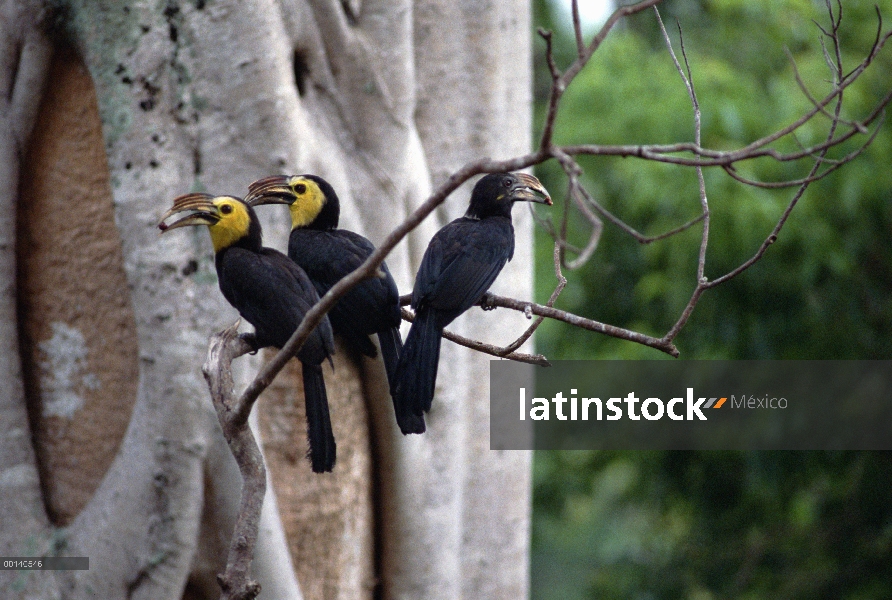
(834, 164)
(561, 284)
(533, 359)
(704, 203)
(805, 92)
(577, 29)
(837, 70)
(560, 81)
(757, 149)
(577, 193)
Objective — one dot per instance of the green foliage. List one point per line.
(731, 524)
(706, 525)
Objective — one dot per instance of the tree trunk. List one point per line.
(128, 465)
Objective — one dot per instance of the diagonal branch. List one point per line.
(370, 267)
(661, 153)
(226, 346)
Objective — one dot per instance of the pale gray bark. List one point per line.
(397, 95)
(473, 101)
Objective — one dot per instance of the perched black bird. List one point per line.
(328, 254)
(460, 263)
(271, 293)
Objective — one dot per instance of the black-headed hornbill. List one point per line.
(270, 292)
(460, 264)
(327, 254)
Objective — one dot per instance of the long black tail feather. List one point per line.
(391, 348)
(417, 373)
(323, 450)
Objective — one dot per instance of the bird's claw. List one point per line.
(251, 340)
(486, 302)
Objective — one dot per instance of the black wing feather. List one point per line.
(370, 307)
(461, 263)
(272, 294)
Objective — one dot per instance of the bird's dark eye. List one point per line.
(506, 182)
(300, 189)
(226, 209)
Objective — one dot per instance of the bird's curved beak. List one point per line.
(528, 189)
(271, 190)
(203, 212)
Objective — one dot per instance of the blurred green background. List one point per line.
(710, 525)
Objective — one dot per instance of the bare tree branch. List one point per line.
(560, 81)
(805, 91)
(226, 346)
(235, 581)
(702, 282)
(561, 284)
(834, 164)
(533, 359)
(704, 203)
(577, 30)
(756, 149)
(583, 323)
(579, 195)
(490, 301)
(660, 153)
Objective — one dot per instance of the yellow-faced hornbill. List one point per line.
(271, 293)
(328, 254)
(460, 263)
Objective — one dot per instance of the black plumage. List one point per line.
(461, 262)
(328, 254)
(273, 294)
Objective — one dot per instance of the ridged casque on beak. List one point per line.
(271, 190)
(204, 212)
(528, 189)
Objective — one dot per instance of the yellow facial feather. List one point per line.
(233, 224)
(308, 202)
